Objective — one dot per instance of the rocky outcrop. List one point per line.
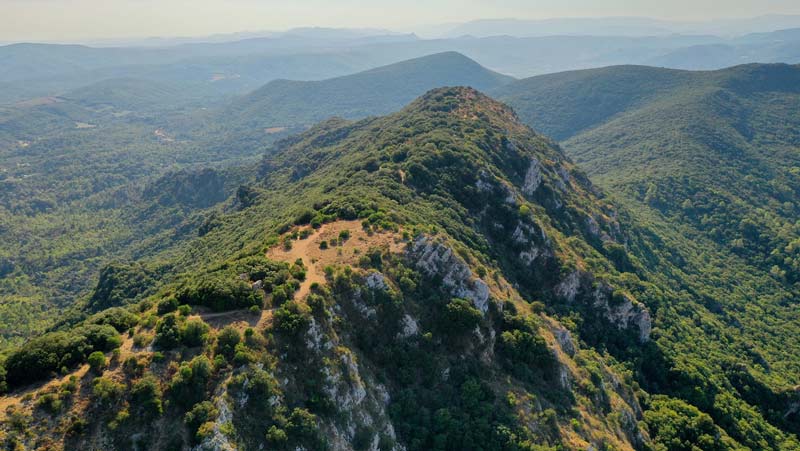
(623, 312)
(376, 281)
(564, 339)
(218, 440)
(360, 402)
(410, 327)
(527, 236)
(437, 260)
(533, 177)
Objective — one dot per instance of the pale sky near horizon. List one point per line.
(54, 20)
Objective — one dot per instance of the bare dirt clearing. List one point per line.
(346, 252)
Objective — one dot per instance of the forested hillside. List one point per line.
(713, 151)
(439, 278)
(382, 90)
(708, 162)
(77, 178)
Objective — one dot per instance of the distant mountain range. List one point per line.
(620, 26)
(220, 69)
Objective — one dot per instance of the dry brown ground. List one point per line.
(346, 253)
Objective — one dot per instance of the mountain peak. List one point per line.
(468, 103)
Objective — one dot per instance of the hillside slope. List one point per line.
(439, 278)
(284, 103)
(716, 150)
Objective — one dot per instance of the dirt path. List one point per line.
(347, 252)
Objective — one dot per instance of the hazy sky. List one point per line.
(85, 19)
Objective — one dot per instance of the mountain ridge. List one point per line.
(375, 91)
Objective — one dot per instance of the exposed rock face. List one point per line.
(563, 178)
(526, 235)
(437, 260)
(345, 386)
(483, 184)
(568, 288)
(625, 314)
(360, 401)
(488, 184)
(410, 327)
(217, 440)
(316, 338)
(564, 339)
(376, 281)
(533, 177)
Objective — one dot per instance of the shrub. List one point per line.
(184, 310)
(276, 436)
(194, 333)
(167, 305)
(200, 414)
(304, 217)
(142, 340)
(120, 284)
(302, 424)
(678, 426)
(525, 353)
(50, 402)
(323, 244)
(3, 385)
(188, 385)
(105, 391)
(56, 350)
(133, 367)
(168, 334)
(116, 317)
(461, 317)
(226, 342)
(146, 395)
(279, 295)
(291, 319)
(97, 362)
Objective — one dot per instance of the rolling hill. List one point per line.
(284, 103)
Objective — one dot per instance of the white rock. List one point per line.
(533, 177)
(410, 326)
(437, 259)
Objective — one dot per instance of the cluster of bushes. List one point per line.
(117, 317)
(219, 293)
(291, 320)
(53, 400)
(120, 284)
(676, 426)
(173, 330)
(199, 420)
(188, 385)
(146, 396)
(58, 351)
(523, 351)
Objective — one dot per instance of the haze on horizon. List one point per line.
(76, 20)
